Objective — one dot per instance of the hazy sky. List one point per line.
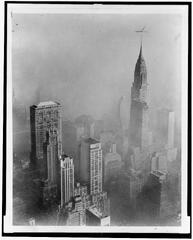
(87, 61)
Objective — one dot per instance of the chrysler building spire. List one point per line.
(140, 74)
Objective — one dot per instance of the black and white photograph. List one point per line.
(97, 115)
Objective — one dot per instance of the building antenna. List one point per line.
(143, 30)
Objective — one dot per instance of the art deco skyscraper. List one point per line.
(91, 165)
(67, 179)
(43, 117)
(51, 156)
(139, 107)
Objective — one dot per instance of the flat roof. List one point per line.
(158, 173)
(46, 104)
(91, 140)
(63, 156)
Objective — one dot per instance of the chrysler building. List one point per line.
(139, 107)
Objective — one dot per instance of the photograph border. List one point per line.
(189, 128)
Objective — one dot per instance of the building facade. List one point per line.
(44, 117)
(165, 126)
(67, 179)
(91, 165)
(95, 218)
(139, 107)
(50, 147)
(112, 163)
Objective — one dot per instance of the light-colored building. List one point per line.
(32, 222)
(106, 137)
(171, 127)
(159, 162)
(43, 117)
(91, 165)
(76, 218)
(72, 214)
(165, 127)
(67, 179)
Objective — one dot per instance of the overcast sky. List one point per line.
(87, 61)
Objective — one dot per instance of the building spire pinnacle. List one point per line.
(140, 53)
(142, 31)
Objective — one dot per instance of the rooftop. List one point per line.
(64, 156)
(158, 174)
(94, 211)
(91, 141)
(48, 103)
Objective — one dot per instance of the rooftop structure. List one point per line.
(47, 104)
(91, 141)
(159, 175)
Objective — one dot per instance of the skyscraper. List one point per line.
(91, 165)
(171, 124)
(67, 179)
(165, 126)
(51, 155)
(43, 117)
(139, 107)
(112, 164)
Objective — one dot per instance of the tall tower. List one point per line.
(139, 108)
(91, 165)
(67, 179)
(51, 156)
(43, 117)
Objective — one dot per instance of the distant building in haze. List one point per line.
(150, 198)
(98, 128)
(135, 185)
(159, 161)
(44, 117)
(165, 126)
(112, 163)
(84, 127)
(69, 140)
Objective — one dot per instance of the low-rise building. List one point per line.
(95, 218)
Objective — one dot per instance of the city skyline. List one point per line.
(144, 175)
(95, 55)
